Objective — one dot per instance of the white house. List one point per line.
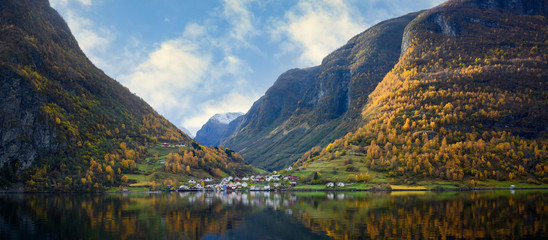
(289, 168)
(244, 184)
(330, 185)
(191, 181)
(245, 179)
(340, 184)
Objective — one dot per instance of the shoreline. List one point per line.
(304, 190)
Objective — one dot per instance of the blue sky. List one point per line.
(192, 59)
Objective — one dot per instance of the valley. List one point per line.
(453, 96)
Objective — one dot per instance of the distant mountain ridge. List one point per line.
(313, 106)
(218, 128)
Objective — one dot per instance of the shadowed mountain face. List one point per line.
(64, 123)
(465, 102)
(55, 103)
(311, 107)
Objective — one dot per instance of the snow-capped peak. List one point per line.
(226, 118)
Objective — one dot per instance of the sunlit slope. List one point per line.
(312, 107)
(466, 101)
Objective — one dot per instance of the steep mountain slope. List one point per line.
(216, 129)
(64, 123)
(313, 106)
(467, 100)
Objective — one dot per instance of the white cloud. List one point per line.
(64, 3)
(93, 40)
(90, 38)
(207, 70)
(241, 19)
(233, 102)
(168, 73)
(317, 27)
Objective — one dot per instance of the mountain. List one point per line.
(217, 128)
(314, 106)
(64, 123)
(466, 101)
(187, 132)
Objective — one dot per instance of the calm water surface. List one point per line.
(318, 215)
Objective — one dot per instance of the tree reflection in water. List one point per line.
(316, 215)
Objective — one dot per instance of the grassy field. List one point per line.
(310, 187)
(150, 173)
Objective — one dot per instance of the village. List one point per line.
(253, 183)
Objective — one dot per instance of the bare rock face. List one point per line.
(26, 134)
(313, 106)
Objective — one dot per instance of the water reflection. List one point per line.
(266, 215)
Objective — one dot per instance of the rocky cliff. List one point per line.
(58, 112)
(27, 133)
(310, 107)
(465, 102)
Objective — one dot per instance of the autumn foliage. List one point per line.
(466, 107)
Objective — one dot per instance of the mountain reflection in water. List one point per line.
(266, 215)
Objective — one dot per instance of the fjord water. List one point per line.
(264, 215)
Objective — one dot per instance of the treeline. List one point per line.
(217, 162)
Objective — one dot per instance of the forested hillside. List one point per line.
(466, 102)
(65, 125)
(314, 106)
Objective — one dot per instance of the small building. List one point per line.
(289, 168)
(340, 184)
(208, 179)
(293, 184)
(245, 179)
(330, 185)
(293, 178)
(191, 181)
(244, 184)
(165, 145)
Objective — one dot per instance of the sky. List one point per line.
(192, 59)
